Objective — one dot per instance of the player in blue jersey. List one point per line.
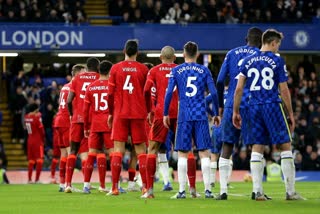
(266, 76)
(229, 134)
(192, 80)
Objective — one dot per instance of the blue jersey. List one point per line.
(230, 68)
(191, 80)
(209, 100)
(264, 72)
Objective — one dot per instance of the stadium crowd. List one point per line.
(59, 11)
(30, 87)
(215, 11)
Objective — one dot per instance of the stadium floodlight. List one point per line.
(81, 55)
(9, 54)
(158, 54)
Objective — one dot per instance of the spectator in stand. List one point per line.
(147, 11)
(212, 11)
(159, 11)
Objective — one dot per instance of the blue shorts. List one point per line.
(216, 140)
(196, 130)
(229, 133)
(268, 124)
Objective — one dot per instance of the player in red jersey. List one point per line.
(62, 126)
(98, 132)
(35, 141)
(157, 83)
(128, 110)
(75, 107)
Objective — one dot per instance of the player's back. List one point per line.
(230, 68)
(62, 117)
(191, 80)
(127, 80)
(264, 72)
(34, 127)
(160, 75)
(97, 96)
(78, 86)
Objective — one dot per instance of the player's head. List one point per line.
(77, 69)
(148, 64)
(272, 39)
(93, 64)
(167, 54)
(105, 67)
(131, 47)
(33, 108)
(253, 37)
(190, 50)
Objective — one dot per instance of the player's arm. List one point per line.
(220, 82)
(111, 90)
(214, 101)
(286, 97)
(167, 100)
(86, 110)
(236, 118)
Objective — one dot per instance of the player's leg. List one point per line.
(139, 138)
(64, 144)
(76, 136)
(163, 161)
(213, 168)
(183, 146)
(93, 143)
(192, 173)
(279, 132)
(132, 171)
(256, 166)
(229, 136)
(56, 156)
(203, 144)
(215, 152)
(31, 161)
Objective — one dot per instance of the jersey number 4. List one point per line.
(192, 86)
(128, 85)
(267, 81)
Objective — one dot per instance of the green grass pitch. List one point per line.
(46, 199)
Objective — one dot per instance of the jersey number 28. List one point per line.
(267, 81)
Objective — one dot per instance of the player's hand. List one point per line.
(150, 117)
(70, 118)
(216, 120)
(86, 133)
(292, 124)
(220, 112)
(236, 120)
(166, 121)
(110, 121)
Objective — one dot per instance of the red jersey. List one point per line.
(96, 99)
(126, 83)
(62, 117)
(34, 127)
(156, 84)
(78, 87)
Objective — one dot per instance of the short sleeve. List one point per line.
(283, 73)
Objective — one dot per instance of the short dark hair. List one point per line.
(76, 69)
(191, 49)
(148, 64)
(254, 36)
(105, 67)
(32, 107)
(271, 35)
(131, 47)
(93, 64)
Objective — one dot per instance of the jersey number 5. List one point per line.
(192, 86)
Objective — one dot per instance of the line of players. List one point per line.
(128, 95)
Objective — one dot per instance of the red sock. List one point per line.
(151, 169)
(30, 169)
(38, 168)
(62, 169)
(143, 168)
(83, 164)
(88, 167)
(54, 163)
(192, 170)
(116, 164)
(101, 162)
(71, 162)
(132, 174)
